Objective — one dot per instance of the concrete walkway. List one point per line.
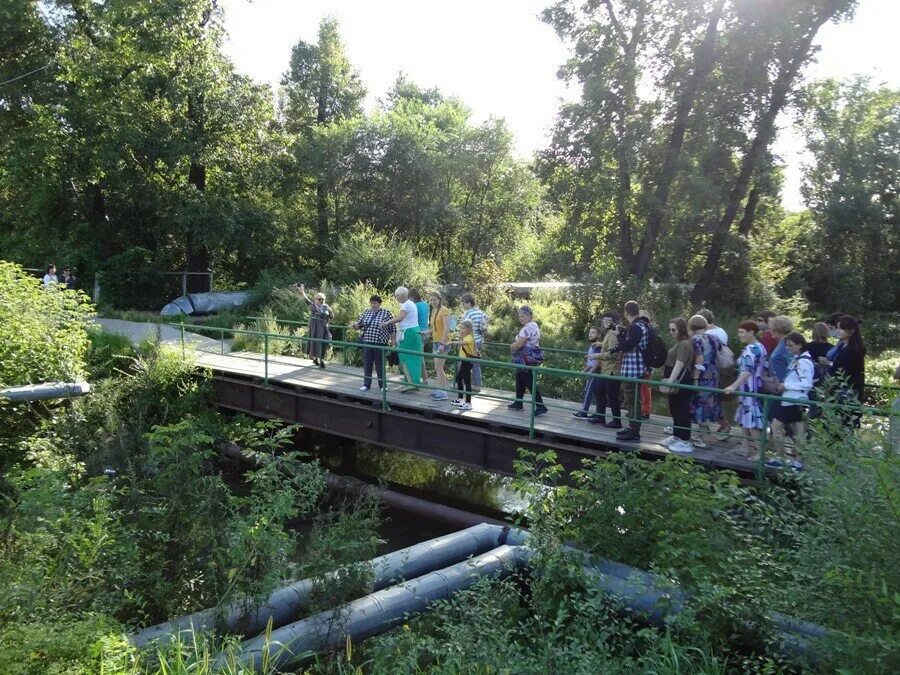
(137, 332)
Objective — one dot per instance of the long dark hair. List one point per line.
(851, 326)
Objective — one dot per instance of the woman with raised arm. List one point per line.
(320, 315)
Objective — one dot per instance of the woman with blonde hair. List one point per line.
(819, 346)
(320, 315)
(706, 406)
(408, 337)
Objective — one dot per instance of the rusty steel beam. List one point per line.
(475, 443)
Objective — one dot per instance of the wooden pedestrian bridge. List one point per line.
(290, 388)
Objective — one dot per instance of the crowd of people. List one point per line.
(773, 359)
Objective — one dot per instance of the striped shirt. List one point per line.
(369, 326)
(479, 321)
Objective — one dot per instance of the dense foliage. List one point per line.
(117, 511)
(134, 149)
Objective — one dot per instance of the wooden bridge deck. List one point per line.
(558, 424)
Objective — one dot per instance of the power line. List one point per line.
(32, 72)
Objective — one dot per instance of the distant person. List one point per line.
(68, 279)
(719, 333)
(751, 368)
(439, 332)
(424, 319)
(780, 357)
(480, 323)
(373, 337)
(467, 351)
(632, 348)
(320, 315)
(706, 406)
(819, 346)
(526, 351)
(797, 384)
(850, 364)
(409, 338)
(766, 338)
(609, 365)
(679, 362)
(593, 385)
(50, 277)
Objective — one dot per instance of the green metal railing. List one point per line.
(536, 373)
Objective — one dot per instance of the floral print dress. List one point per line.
(749, 411)
(706, 406)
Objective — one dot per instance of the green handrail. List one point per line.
(766, 399)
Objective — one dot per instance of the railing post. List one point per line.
(184, 284)
(384, 401)
(636, 408)
(222, 341)
(182, 337)
(763, 441)
(265, 358)
(533, 402)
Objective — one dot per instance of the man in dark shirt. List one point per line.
(632, 348)
(68, 279)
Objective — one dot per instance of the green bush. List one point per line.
(108, 353)
(384, 262)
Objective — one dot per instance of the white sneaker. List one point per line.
(681, 447)
(463, 407)
(668, 441)
(364, 388)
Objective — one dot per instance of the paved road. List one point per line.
(138, 332)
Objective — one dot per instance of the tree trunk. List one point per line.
(322, 233)
(627, 75)
(746, 224)
(765, 131)
(703, 65)
(197, 253)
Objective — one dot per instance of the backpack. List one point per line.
(820, 373)
(655, 354)
(724, 359)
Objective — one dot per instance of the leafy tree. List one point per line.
(321, 89)
(849, 255)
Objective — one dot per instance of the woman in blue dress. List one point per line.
(751, 368)
(706, 406)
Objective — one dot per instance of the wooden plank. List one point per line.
(558, 422)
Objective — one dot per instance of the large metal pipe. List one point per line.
(373, 614)
(42, 392)
(206, 303)
(285, 604)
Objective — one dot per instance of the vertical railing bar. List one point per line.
(763, 441)
(533, 402)
(266, 358)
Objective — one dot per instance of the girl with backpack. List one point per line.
(468, 351)
(797, 384)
